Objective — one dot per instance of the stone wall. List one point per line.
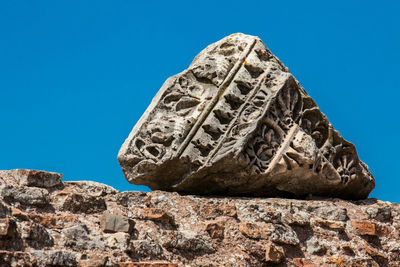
(46, 222)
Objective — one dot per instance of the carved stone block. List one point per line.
(236, 122)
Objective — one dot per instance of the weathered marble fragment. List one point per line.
(236, 122)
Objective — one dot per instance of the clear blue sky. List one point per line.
(75, 76)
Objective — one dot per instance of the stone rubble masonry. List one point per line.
(160, 228)
(237, 123)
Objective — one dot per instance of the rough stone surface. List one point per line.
(37, 178)
(55, 258)
(29, 196)
(236, 122)
(315, 246)
(111, 223)
(274, 254)
(82, 203)
(175, 230)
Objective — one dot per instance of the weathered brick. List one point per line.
(157, 215)
(364, 228)
(256, 230)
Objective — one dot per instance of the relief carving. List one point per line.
(236, 122)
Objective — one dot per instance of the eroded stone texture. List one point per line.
(236, 122)
(37, 178)
(167, 229)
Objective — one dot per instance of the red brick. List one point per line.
(364, 228)
(254, 231)
(158, 215)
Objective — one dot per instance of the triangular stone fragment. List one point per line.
(236, 122)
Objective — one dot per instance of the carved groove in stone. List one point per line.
(237, 122)
(228, 78)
